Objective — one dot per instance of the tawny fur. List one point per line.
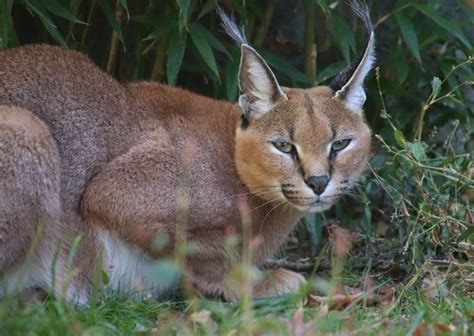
(125, 166)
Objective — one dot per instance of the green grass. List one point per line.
(121, 316)
(414, 206)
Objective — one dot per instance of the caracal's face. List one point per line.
(307, 152)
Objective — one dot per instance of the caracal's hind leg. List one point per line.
(30, 207)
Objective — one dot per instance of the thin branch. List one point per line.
(265, 24)
(310, 51)
(114, 43)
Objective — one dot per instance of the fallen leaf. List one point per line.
(350, 295)
(297, 326)
(203, 317)
(442, 328)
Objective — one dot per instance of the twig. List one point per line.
(114, 43)
(158, 70)
(89, 18)
(293, 266)
(310, 51)
(263, 28)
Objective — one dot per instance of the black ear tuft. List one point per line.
(348, 86)
(343, 77)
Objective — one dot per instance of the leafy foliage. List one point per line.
(420, 103)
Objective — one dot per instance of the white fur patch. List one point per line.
(131, 271)
(38, 273)
(26, 276)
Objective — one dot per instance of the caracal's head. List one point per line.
(307, 147)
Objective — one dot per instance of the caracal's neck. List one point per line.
(180, 113)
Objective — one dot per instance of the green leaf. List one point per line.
(435, 86)
(330, 71)
(176, 51)
(468, 9)
(377, 161)
(7, 32)
(124, 4)
(57, 9)
(110, 15)
(231, 73)
(468, 234)
(399, 138)
(105, 278)
(402, 70)
(199, 38)
(162, 27)
(282, 66)
(367, 219)
(409, 34)
(343, 35)
(322, 4)
(314, 224)
(207, 7)
(184, 7)
(418, 151)
(74, 6)
(450, 26)
(48, 23)
(214, 42)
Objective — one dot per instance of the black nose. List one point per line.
(318, 183)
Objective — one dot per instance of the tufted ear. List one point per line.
(259, 89)
(349, 84)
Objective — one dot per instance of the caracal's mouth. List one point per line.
(314, 204)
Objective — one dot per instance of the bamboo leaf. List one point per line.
(198, 36)
(124, 4)
(184, 7)
(285, 68)
(231, 73)
(409, 34)
(330, 71)
(176, 51)
(214, 42)
(206, 8)
(343, 35)
(402, 69)
(74, 6)
(7, 32)
(163, 26)
(322, 4)
(110, 16)
(48, 23)
(450, 26)
(58, 9)
(468, 9)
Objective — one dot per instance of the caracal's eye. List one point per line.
(283, 146)
(340, 145)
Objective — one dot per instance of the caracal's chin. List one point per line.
(314, 207)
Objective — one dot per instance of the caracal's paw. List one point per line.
(278, 282)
